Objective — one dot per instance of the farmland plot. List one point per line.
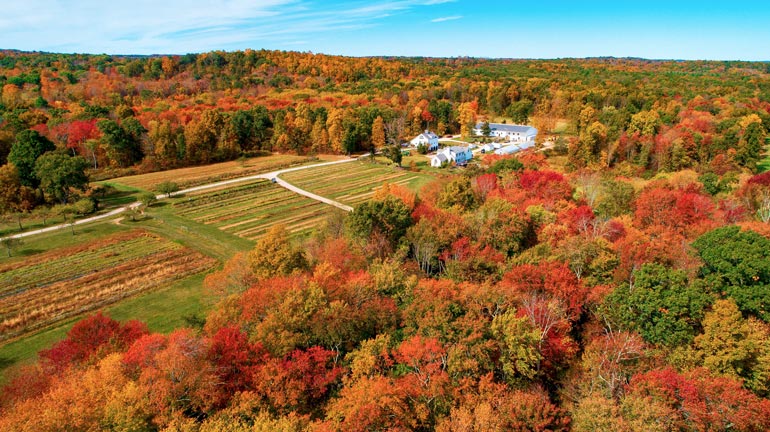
(249, 210)
(355, 182)
(55, 285)
(193, 176)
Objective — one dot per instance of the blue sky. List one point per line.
(442, 28)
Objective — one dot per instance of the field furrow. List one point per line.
(249, 210)
(77, 280)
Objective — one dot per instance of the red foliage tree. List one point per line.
(94, 336)
(299, 381)
(703, 402)
(235, 360)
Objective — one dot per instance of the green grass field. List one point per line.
(355, 182)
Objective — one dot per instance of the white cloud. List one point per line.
(180, 26)
(449, 18)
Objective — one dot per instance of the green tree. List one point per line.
(11, 244)
(394, 154)
(60, 173)
(29, 146)
(506, 165)
(389, 217)
(123, 146)
(497, 223)
(616, 199)
(167, 188)
(662, 305)
(147, 199)
(486, 130)
(738, 263)
(750, 144)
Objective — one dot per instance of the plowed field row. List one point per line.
(250, 210)
(193, 176)
(354, 182)
(138, 263)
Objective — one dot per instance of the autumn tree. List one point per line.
(14, 197)
(467, 112)
(275, 255)
(378, 133)
(203, 136)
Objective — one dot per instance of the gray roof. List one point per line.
(508, 127)
(514, 148)
(458, 149)
(441, 156)
(428, 134)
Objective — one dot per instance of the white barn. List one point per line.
(510, 133)
(456, 154)
(426, 138)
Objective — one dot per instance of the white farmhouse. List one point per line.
(456, 154)
(426, 138)
(510, 133)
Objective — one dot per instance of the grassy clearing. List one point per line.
(193, 176)
(163, 311)
(52, 286)
(164, 220)
(355, 182)
(248, 211)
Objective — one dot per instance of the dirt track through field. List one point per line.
(270, 176)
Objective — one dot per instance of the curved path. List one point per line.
(269, 176)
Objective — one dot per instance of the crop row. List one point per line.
(74, 265)
(39, 307)
(352, 183)
(249, 211)
(193, 176)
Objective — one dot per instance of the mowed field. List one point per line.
(249, 210)
(355, 182)
(194, 176)
(52, 286)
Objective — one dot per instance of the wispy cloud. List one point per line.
(179, 26)
(448, 18)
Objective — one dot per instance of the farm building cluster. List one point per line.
(508, 138)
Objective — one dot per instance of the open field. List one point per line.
(194, 176)
(355, 182)
(52, 286)
(249, 210)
